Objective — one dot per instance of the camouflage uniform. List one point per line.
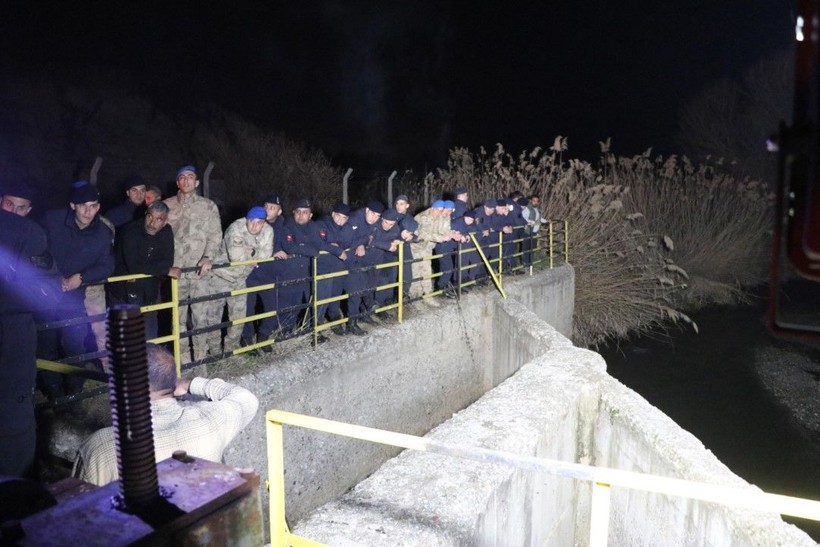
(197, 234)
(432, 230)
(238, 245)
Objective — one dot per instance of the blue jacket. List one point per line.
(87, 252)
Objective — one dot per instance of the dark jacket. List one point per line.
(139, 252)
(27, 282)
(87, 252)
(124, 213)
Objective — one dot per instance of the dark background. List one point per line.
(383, 85)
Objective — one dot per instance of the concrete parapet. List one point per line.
(560, 405)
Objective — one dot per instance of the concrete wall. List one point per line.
(561, 404)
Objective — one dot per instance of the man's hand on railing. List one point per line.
(175, 272)
(71, 282)
(280, 255)
(183, 384)
(204, 265)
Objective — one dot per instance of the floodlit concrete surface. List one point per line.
(488, 372)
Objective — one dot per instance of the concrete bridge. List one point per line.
(488, 372)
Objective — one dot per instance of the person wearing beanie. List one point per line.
(248, 238)
(144, 247)
(197, 237)
(408, 227)
(81, 246)
(17, 198)
(133, 206)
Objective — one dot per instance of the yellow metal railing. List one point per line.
(493, 267)
(602, 478)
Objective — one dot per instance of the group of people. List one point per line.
(181, 237)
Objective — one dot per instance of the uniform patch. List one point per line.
(290, 238)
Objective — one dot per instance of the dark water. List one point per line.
(706, 383)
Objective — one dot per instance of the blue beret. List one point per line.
(184, 168)
(438, 204)
(256, 212)
(448, 204)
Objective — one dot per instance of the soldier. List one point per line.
(461, 196)
(132, 208)
(530, 212)
(363, 222)
(447, 250)
(434, 227)
(338, 241)
(247, 238)
(81, 246)
(383, 248)
(197, 236)
(408, 234)
(486, 236)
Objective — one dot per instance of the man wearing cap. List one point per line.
(383, 248)
(461, 196)
(447, 249)
(486, 237)
(409, 228)
(144, 247)
(248, 238)
(510, 224)
(132, 207)
(17, 198)
(363, 223)
(273, 211)
(434, 227)
(301, 241)
(197, 236)
(81, 246)
(338, 240)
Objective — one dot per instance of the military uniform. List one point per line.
(197, 234)
(238, 245)
(432, 230)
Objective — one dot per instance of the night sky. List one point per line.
(394, 85)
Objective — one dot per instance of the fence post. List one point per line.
(566, 241)
(345, 198)
(551, 243)
(390, 188)
(175, 323)
(92, 176)
(400, 289)
(314, 300)
(206, 180)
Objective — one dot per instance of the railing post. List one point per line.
(400, 289)
(551, 244)
(566, 241)
(599, 519)
(175, 324)
(458, 278)
(314, 300)
(276, 480)
(500, 256)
